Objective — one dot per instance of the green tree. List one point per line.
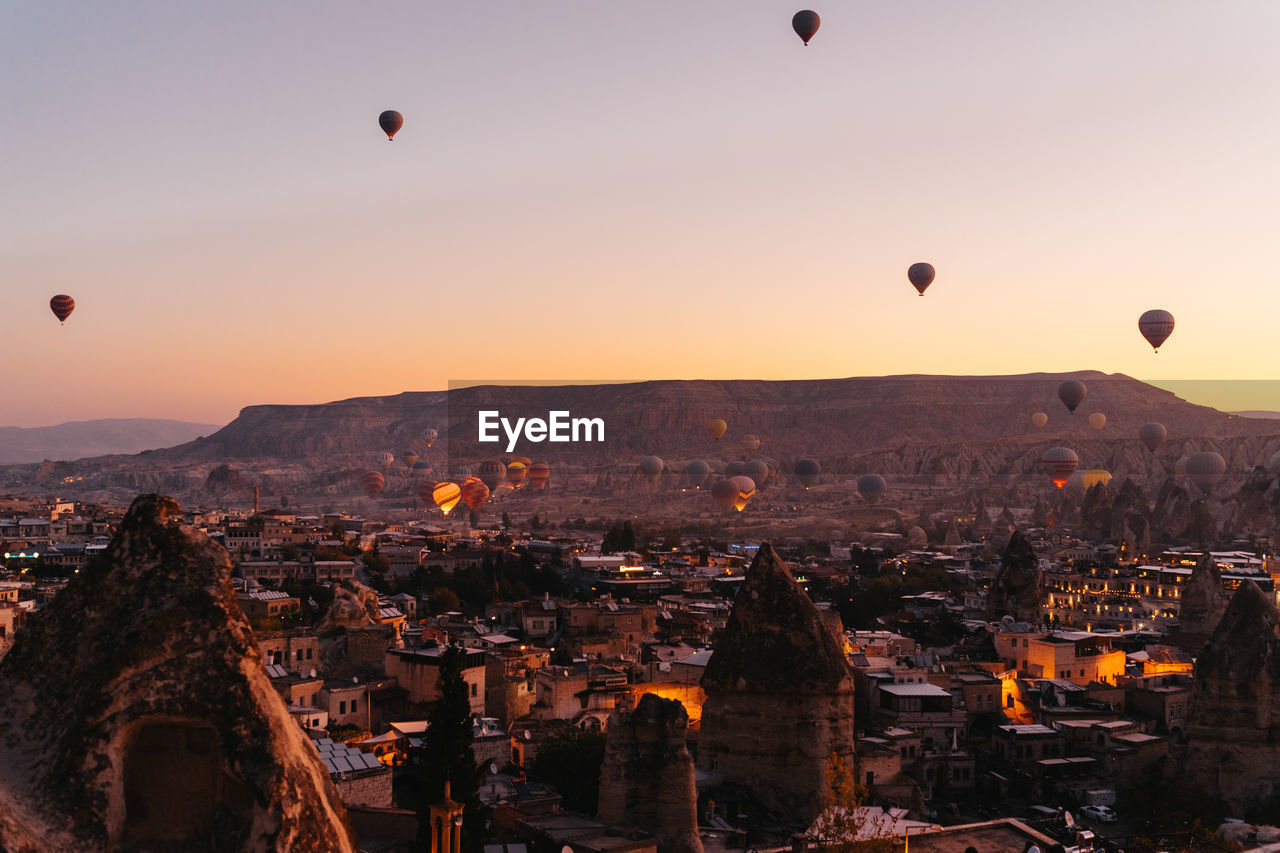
(444, 600)
(570, 762)
(447, 753)
(621, 537)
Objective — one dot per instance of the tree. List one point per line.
(844, 827)
(444, 600)
(447, 753)
(621, 537)
(570, 762)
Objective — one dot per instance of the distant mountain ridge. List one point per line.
(101, 437)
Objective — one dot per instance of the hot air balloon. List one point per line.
(921, 276)
(1097, 420)
(734, 469)
(1156, 326)
(491, 472)
(749, 442)
(1094, 477)
(446, 495)
(746, 490)
(1206, 469)
(515, 472)
(651, 467)
(461, 472)
(372, 483)
(390, 121)
(62, 306)
(871, 487)
(1152, 434)
(421, 466)
(386, 459)
(1059, 463)
(1072, 393)
(425, 490)
(697, 471)
(539, 474)
(409, 458)
(474, 493)
(757, 470)
(1039, 419)
(724, 493)
(806, 24)
(430, 436)
(807, 471)
(717, 427)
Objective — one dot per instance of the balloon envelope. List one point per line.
(1039, 419)
(372, 483)
(749, 442)
(491, 472)
(1097, 420)
(390, 121)
(516, 472)
(1152, 434)
(409, 458)
(446, 495)
(717, 427)
(651, 467)
(734, 469)
(425, 490)
(431, 436)
(62, 306)
(746, 490)
(724, 493)
(386, 459)
(474, 493)
(697, 471)
(921, 276)
(1059, 463)
(757, 470)
(539, 474)
(871, 487)
(1094, 477)
(807, 471)
(806, 24)
(1072, 393)
(1156, 326)
(1206, 469)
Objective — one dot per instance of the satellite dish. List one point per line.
(528, 736)
(566, 849)
(493, 769)
(313, 672)
(355, 679)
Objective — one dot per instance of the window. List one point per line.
(308, 654)
(473, 690)
(342, 707)
(355, 705)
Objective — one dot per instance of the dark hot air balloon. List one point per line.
(724, 493)
(871, 487)
(1206, 469)
(757, 470)
(1156, 326)
(1072, 393)
(807, 471)
(921, 276)
(697, 471)
(1152, 434)
(651, 467)
(390, 121)
(806, 24)
(62, 306)
(491, 472)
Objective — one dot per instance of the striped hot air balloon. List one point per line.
(1059, 463)
(539, 474)
(62, 306)
(651, 467)
(745, 488)
(516, 472)
(372, 483)
(474, 493)
(446, 496)
(1156, 326)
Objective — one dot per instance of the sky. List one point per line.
(632, 190)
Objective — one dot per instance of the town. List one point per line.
(1019, 682)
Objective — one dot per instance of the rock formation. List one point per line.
(1017, 590)
(647, 777)
(351, 638)
(779, 696)
(136, 714)
(1204, 600)
(1233, 724)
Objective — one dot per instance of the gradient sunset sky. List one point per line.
(631, 190)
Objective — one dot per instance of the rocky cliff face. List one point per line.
(1204, 600)
(779, 696)
(647, 777)
(1233, 725)
(1017, 590)
(136, 714)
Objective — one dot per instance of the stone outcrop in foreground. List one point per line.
(647, 777)
(1233, 727)
(779, 696)
(136, 714)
